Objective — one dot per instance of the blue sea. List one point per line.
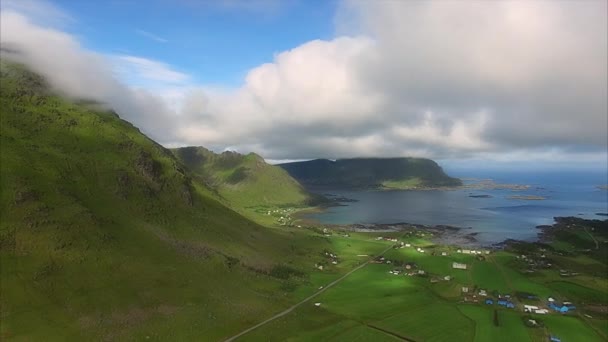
(567, 193)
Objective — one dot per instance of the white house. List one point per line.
(542, 311)
(530, 307)
(459, 266)
(317, 304)
(444, 253)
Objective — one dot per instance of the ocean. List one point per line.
(567, 193)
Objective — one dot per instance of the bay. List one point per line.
(496, 218)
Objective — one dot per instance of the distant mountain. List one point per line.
(379, 173)
(245, 180)
(106, 235)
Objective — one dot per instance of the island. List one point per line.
(527, 197)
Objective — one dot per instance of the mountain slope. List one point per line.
(395, 173)
(245, 180)
(104, 234)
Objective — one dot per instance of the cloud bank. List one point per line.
(440, 79)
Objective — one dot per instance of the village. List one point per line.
(531, 306)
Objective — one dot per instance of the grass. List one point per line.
(486, 275)
(575, 292)
(418, 323)
(105, 235)
(410, 183)
(570, 329)
(510, 326)
(246, 182)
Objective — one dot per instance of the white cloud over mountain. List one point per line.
(439, 79)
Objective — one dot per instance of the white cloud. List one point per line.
(139, 70)
(150, 35)
(80, 73)
(439, 79)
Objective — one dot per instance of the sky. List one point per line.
(477, 83)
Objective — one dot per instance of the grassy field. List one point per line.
(406, 306)
(510, 326)
(570, 329)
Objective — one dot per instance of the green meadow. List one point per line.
(377, 305)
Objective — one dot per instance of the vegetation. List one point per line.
(104, 234)
(246, 182)
(393, 173)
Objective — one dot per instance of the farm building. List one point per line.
(459, 266)
(444, 253)
(465, 289)
(506, 304)
(562, 308)
(542, 311)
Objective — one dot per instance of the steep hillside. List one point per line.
(105, 235)
(245, 180)
(392, 173)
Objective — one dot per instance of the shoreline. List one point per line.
(444, 234)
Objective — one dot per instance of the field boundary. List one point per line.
(290, 309)
(388, 332)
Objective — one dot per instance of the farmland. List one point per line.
(387, 301)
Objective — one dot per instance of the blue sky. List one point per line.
(215, 42)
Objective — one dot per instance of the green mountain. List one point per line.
(391, 173)
(105, 235)
(245, 181)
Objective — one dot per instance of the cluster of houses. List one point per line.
(472, 251)
(333, 259)
(535, 309)
(283, 216)
(502, 302)
(565, 273)
(386, 238)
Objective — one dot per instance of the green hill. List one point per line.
(391, 173)
(105, 235)
(245, 180)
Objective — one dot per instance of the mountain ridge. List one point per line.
(243, 179)
(106, 232)
(371, 172)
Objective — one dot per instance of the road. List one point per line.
(290, 309)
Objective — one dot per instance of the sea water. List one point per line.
(567, 193)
